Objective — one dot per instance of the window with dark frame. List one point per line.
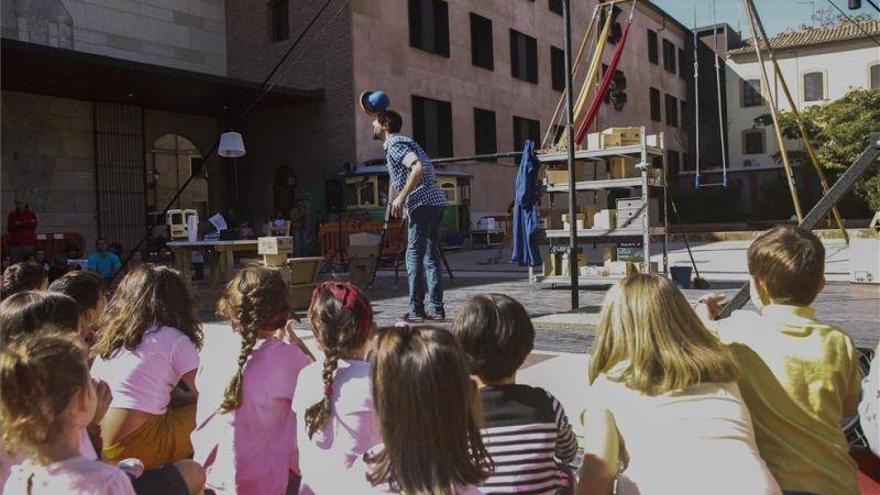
(616, 31)
(814, 86)
(751, 93)
(875, 76)
(655, 105)
(555, 6)
(481, 42)
(432, 126)
(279, 20)
(485, 140)
(557, 68)
(669, 56)
(671, 111)
(523, 129)
(429, 26)
(753, 141)
(653, 56)
(523, 56)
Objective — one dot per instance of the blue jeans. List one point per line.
(423, 259)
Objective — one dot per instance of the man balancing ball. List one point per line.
(419, 199)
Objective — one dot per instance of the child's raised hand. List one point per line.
(104, 398)
(709, 306)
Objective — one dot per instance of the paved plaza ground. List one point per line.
(560, 359)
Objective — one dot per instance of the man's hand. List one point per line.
(397, 206)
(104, 398)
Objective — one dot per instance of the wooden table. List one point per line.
(222, 265)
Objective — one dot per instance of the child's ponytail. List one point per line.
(342, 319)
(39, 375)
(256, 300)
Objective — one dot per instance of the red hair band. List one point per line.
(352, 298)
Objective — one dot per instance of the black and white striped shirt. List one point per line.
(528, 437)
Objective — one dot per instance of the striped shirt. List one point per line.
(529, 439)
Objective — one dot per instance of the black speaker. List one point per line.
(335, 196)
(855, 4)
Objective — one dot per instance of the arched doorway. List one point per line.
(170, 162)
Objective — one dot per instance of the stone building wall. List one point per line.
(48, 162)
(187, 35)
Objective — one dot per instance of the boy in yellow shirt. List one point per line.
(799, 376)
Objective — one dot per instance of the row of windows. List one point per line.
(429, 31)
(671, 62)
(432, 128)
(813, 84)
(673, 108)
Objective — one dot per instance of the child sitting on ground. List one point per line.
(333, 404)
(21, 277)
(429, 414)
(90, 294)
(526, 430)
(246, 431)
(23, 313)
(149, 341)
(663, 405)
(799, 376)
(46, 400)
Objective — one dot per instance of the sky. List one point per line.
(777, 15)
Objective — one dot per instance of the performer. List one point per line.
(420, 200)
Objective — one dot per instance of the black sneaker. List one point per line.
(413, 317)
(436, 315)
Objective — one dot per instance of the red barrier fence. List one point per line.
(53, 243)
(329, 237)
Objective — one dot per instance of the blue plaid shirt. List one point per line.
(400, 153)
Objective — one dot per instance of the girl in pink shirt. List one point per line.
(333, 404)
(46, 401)
(246, 431)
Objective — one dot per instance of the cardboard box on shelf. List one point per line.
(589, 212)
(620, 136)
(560, 177)
(552, 218)
(605, 220)
(621, 168)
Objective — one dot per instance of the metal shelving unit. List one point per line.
(648, 148)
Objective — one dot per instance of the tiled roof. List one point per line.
(840, 32)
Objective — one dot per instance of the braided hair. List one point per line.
(256, 300)
(342, 320)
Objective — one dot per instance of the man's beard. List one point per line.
(377, 136)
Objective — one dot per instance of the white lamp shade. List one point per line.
(231, 145)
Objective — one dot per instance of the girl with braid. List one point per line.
(246, 431)
(333, 403)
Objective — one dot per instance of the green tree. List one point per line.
(839, 132)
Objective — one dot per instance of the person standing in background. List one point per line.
(22, 225)
(299, 222)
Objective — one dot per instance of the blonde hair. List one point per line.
(256, 299)
(40, 374)
(790, 263)
(650, 339)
